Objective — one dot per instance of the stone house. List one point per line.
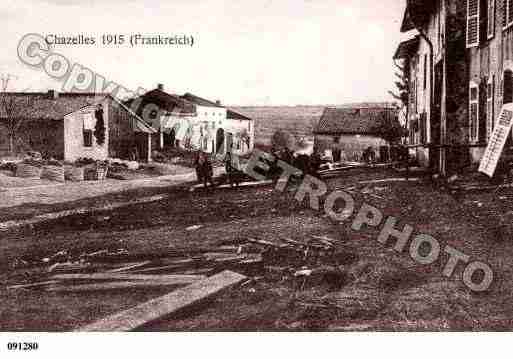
(489, 45)
(62, 126)
(345, 133)
(459, 68)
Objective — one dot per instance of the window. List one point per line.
(490, 88)
(88, 138)
(490, 29)
(423, 128)
(473, 23)
(474, 111)
(88, 123)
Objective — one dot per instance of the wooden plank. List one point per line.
(400, 179)
(157, 308)
(130, 266)
(267, 243)
(242, 184)
(102, 286)
(176, 278)
(158, 269)
(32, 285)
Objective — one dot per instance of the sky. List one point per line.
(246, 52)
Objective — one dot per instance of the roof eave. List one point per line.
(406, 24)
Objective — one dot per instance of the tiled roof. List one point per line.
(352, 120)
(407, 48)
(165, 101)
(36, 105)
(204, 102)
(200, 100)
(406, 24)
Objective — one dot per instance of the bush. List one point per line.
(83, 161)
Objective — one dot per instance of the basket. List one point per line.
(101, 173)
(95, 173)
(53, 173)
(24, 170)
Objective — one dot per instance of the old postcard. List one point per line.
(248, 166)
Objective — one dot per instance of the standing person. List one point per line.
(208, 171)
(198, 165)
(231, 171)
(315, 164)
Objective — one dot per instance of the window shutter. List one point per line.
(473, 111)
(504, 13)
(483, 111)
(491, 19)
(473, 23)
(509, 11)
(490, 103)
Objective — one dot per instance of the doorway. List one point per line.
(169, 138)
(219, 140)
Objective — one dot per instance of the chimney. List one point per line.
(53, 94)
(218, 102)
(160, 87)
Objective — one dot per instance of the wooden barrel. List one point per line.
(24, 170)
(90, 173)
(53, 173)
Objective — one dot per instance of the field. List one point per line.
(298, 120)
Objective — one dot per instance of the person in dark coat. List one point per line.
(315, 164)
(234, 175)
(204, 170)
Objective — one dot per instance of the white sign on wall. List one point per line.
(497, 141)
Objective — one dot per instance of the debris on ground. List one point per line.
(176, 300)
(193, 228)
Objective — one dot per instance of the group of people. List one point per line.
(307, 164)
(205, 173)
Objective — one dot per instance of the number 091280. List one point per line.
(23, 346)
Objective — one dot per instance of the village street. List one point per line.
(359, 285)
(50, 197)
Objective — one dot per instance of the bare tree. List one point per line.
(9, 111)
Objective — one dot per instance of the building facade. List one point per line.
(194, 123)
(63, 125)
(345, 134)
(459, 68)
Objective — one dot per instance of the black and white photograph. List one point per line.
(296, 168)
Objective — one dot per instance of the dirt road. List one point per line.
(380, 289)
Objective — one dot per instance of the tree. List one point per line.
(10, 111)
(402, 85)
(389, 128)
(282, 139)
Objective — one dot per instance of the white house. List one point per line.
(194, 123)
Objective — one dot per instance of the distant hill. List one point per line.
(297, 120)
